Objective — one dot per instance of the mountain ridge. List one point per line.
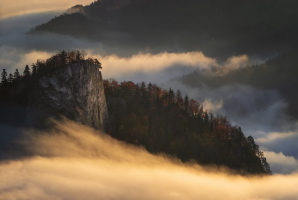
(242, 27)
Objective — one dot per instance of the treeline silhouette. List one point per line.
(23, 105)
(74, 24)
(18, 90)
(164, 121)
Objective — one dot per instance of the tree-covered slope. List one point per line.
(164, 122)
(161, 121)
(212, 26)
(74, 24)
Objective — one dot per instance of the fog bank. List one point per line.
(147, 67)
(73, 162)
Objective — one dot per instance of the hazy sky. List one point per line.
(20, 7)
(238, 103)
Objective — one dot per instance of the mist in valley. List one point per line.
(74, 162)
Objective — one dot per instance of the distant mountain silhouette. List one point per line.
(213, 26)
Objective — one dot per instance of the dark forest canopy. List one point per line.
(213, 26)
(278, 74)
(164, 121)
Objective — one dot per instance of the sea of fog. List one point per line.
(73, 161)
(129, 175)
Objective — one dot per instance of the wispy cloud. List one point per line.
(118, 67)
(138, 67)
(280, 163)
(270, 137)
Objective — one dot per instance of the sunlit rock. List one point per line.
(75, 91)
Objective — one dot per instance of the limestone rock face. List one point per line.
(76, 92)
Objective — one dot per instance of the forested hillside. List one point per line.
(161, 121)
(164, 121)
(215, 27)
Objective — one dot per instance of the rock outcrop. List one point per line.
(74, 91)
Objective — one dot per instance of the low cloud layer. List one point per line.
(12, 58)
(153, 68)
(74, 162)
(283, 141)
(147, 67)
(244, 105)
(281, 164)
(130, 62)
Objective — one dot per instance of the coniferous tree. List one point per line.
(3, 77)
(27, 72)
(171, 96)
(265, 165)
(186, 103)
(78, 56)
(34, 69)
(10, 78)
(63, 58)
(253, 145)
(150, 88)
(211, 121)
(179, 99)
(98, 63)
(16, 75)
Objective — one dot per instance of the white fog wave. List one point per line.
(75, 162)
(147, 67)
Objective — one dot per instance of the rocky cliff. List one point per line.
(75, 91)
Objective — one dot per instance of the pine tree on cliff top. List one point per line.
(3, 77)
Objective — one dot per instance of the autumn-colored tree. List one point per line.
(164, 122)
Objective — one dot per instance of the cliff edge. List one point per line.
(74, 91)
